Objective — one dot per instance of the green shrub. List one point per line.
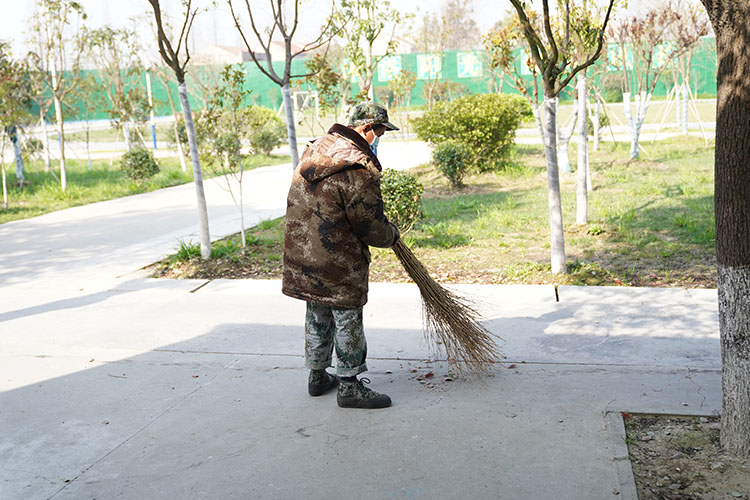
(402, 198)
(266, 129)
(139, 164)
(486, 124)
(452, 159)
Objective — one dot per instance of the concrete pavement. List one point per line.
(117, 386)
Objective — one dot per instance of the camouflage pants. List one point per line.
(326, 327)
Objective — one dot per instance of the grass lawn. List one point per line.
(42, 194)
(650, 224)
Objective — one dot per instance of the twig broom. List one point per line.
(450, 321)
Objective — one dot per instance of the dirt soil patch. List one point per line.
(680, 458)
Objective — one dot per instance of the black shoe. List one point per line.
(320, 382)
(356, 395)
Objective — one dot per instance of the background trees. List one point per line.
(117, 57)
(285, 20)
(645, 44)
(58, 39)
(553, 66)
(15, 96)
(360, 23)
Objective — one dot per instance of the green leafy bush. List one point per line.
(485, 123)
(266, 129)
(402, 198)
(452, 159)
(139, 164)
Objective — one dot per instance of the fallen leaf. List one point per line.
(429, 375)
(196, 376)
(511, 366)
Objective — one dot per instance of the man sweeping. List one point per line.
(334, 213)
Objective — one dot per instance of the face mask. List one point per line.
(374, 145)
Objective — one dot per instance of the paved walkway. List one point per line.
(117, 386)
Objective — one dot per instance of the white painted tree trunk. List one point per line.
(538, 120)
(564, 140)
(19, 159)
(684, 108)
(582, 196)
(45, 141)
(5, 186)
(291, 129)
(61, 136)
(557, 237)
(734, 318)
(596, 120)
(205, 238)
(635, 123)
(2, 167)
(126, 136)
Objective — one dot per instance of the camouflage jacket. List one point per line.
(334, 211)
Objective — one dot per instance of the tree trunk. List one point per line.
(582, 196)
(291, 129)
(5, 186)
(684, 108)
(126, 135)
(732, 205)
(538, 119)
(19, 159)
(45, 140)
(635, 123)
(557, 238)
(180, 153)
(564, 141)
(597, 122)
(61, 136)
(205, 238)
(2, 167)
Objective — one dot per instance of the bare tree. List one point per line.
(116, 55)
(551, 61)
(177, 57)
(732, 204)
(644, 49)
(361, 22)
(284, 25)
(58, 47)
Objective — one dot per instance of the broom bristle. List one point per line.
(450, 321)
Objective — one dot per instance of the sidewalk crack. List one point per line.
(146, 426)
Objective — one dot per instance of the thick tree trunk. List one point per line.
(732, 205)
(557, 237)
(582, 192)
(291, 129)
(204, 235)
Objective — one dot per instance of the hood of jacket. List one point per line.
(340, 149)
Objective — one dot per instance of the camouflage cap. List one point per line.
(371, 113)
